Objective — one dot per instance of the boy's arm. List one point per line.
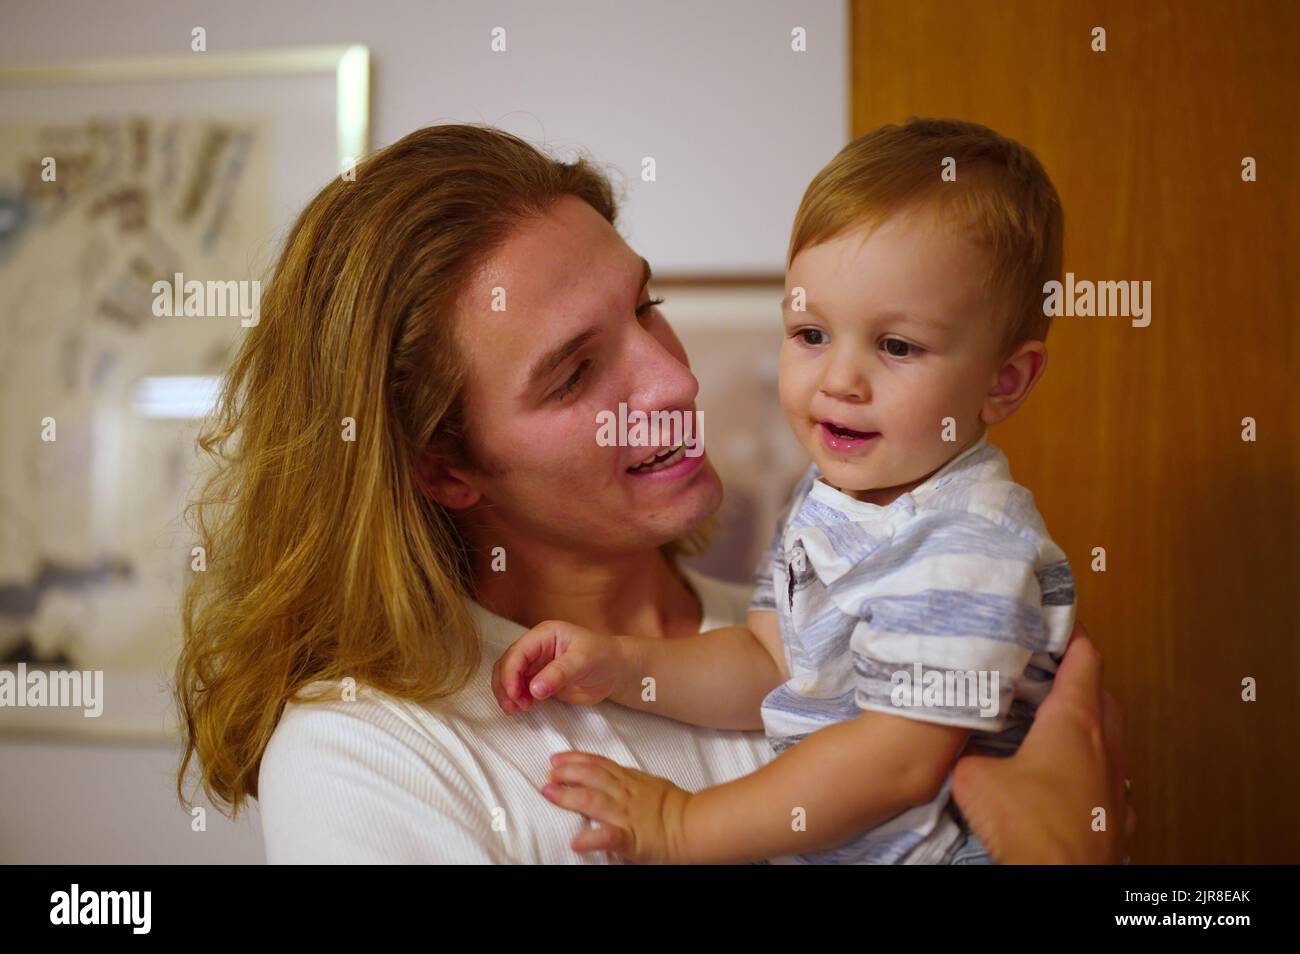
(719, 678)
(716, 679)
(856, 774)
(840, 781)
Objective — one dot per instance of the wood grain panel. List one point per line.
(1132, 441)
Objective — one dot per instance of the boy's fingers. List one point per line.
(529, 653)
(499, 690)
(513, 664)
(588, 774)
(602, 838)
(503, 675)
(585, 801)
(559, 758)
(553, 677)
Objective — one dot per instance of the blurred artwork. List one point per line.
(98, 397)
(745, 431)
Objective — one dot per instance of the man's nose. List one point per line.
(660, 380)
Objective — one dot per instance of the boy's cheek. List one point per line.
(792, 392)
(794, 416)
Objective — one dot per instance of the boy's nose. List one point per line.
(845, 380)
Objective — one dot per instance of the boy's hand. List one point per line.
(558, 659)
(641, 816)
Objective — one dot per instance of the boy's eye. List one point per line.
(811, 336)
(898, 348)
(573, 381)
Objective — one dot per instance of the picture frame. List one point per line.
(148, 169)
(731, 329)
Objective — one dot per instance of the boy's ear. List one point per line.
(449, 486)
(1013, 381)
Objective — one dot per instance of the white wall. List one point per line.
(79, 803)
(737, 123)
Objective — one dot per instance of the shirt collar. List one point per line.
(825, 492)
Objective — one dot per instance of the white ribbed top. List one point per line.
(382, 780)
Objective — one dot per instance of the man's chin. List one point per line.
(692, 509)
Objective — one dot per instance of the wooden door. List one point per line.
(1133, 441)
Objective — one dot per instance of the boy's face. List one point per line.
(896, 337)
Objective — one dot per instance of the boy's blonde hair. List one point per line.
(1001, 193)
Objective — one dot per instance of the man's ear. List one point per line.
(1013, 381)
(449, 486)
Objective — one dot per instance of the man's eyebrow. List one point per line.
(548, 362)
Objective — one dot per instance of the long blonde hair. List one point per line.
(324, 560)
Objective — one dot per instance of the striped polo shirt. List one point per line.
(949, 605)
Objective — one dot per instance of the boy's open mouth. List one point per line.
(845, 432)
(838, 439)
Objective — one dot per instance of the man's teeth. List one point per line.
(660, 461)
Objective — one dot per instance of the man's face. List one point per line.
(578, 335)
(896, 338)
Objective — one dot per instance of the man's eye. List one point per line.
(572, 383)
(644, 308)
(898, 348)
(811, 336)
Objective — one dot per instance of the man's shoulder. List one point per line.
(337, 732)
(340, 722)
(354, 775)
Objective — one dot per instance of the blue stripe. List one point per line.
(825, 711)
(951, 534)
(1056, 583)
(941, 613)
(868, 849)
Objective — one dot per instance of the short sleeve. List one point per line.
(946, 631)
(764, 597)
(337, 788)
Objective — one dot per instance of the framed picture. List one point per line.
(124, 186)
(731, 330)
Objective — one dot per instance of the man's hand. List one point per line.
(1037, 806)
(558, 659)
(641, 816)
